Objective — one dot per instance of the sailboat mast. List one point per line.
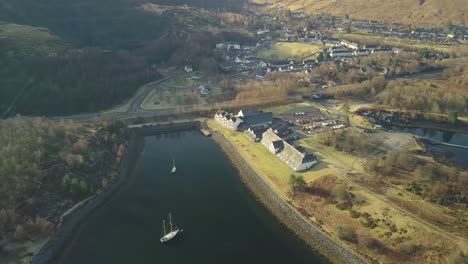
(170, 221)
(164, 227)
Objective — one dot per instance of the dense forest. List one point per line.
(82, 56)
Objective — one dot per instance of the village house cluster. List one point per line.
(242, 58)
(396, 30)
(259, 127)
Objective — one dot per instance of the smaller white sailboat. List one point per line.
(173, 167)
(167, 236)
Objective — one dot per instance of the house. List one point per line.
(295, 159)
(337, 48)
(330, 42)
(188, 68)
(228, 120)
(361, 52)
(260, 74)
(220, 46)
(245, 119)
(234, 46)
(255, 134)
(349, 44)
(262, 64)
(382, 50)
(341, 54)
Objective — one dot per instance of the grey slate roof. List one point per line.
(291, 156)
(255, 134)
(259, 118)
(249, 112)
(279, 144)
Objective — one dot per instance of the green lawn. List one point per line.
(181, 82)
(32, 40)
(288, 50)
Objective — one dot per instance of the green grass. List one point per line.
(288, 50)
(181, 82)
(31, 40)
(169, 99)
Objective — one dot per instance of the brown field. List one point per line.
(429, 12)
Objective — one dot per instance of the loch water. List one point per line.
(221, 219)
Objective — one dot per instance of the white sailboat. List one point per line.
(167, 236)
(173, 167)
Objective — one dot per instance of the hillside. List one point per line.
(414, 12)
(84, 56)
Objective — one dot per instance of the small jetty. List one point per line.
(205, 132)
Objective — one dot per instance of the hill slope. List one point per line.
(62, 57)
(420, 12)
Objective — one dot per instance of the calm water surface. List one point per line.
(460, 155)
(222, 221)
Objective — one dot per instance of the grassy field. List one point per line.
(288, 50)
(32, 40)
(177, 93)
(181, 82)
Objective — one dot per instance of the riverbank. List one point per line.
(286, 213)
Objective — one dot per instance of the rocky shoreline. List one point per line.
(286, 213)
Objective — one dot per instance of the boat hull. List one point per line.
(169, 236)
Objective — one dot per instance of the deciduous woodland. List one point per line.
(48, 166)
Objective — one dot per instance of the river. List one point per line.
(222, 221)
(459, 155)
